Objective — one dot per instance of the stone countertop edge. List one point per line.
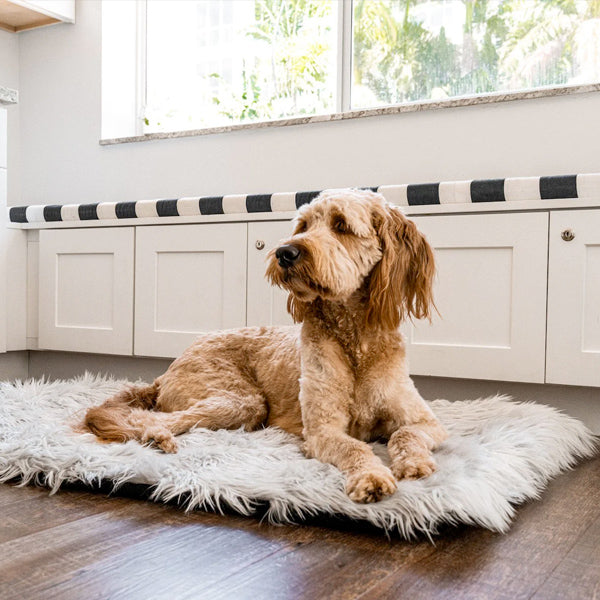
(8, 96)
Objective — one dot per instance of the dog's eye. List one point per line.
(340, 226)
(301, 227)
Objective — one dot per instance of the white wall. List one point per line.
(62, 161)
(9, 77)
(13, 365)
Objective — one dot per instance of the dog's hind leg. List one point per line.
(223, 411)
(109, 421)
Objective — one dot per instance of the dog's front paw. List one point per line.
(370, 485)
(413, 467)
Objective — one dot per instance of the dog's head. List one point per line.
(345, 240)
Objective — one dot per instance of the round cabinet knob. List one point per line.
(567, 235)
(259, 244)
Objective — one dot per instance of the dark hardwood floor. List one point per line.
(77, 544)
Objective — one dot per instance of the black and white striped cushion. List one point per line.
(449, 192)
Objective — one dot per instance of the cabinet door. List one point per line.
(491, 295)
(267, 304)
(86, 290)
(574, 299)
(189, 279)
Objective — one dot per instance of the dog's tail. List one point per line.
(110, 421)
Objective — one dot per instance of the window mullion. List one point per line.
(344, 82)
(141, 66)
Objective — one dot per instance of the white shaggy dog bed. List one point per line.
(499, 454)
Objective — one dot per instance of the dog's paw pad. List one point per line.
(415, 467)
(370, 486)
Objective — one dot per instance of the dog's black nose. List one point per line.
(287, 255)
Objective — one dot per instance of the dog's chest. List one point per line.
(367, 421)
(368, 429)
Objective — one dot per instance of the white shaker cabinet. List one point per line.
(495, 277)
(573, 353)
(86, 290)
(490, 291)
(267, 304)
(189, 279)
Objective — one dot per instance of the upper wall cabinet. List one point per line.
(189, 279)
(20, 15)
(574, 298)
(491, 296)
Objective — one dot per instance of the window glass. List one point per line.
(411, 50)
(218, 62)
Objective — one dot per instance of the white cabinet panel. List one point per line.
(476, 307)
(16, 288)
(267, 304)
(573, 352)
(490, 291)
(189, 279)
(86, 290)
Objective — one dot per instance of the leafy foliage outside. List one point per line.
(294, 74)
(486, 46)
(284, 56)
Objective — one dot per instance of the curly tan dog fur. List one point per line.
(354, 268)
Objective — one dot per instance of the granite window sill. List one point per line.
(409, 107)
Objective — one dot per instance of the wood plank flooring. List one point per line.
(78, 544)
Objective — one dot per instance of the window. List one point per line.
(406, 51)
(174, 65)
(211, 63)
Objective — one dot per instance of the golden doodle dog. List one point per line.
(354, 268)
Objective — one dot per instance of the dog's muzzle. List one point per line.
(287, 255)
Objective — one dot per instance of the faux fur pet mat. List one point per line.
(500, 453)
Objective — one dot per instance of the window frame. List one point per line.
(141, 62)
(343, 72)
(136, 95)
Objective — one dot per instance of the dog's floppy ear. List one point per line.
(401, 284)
